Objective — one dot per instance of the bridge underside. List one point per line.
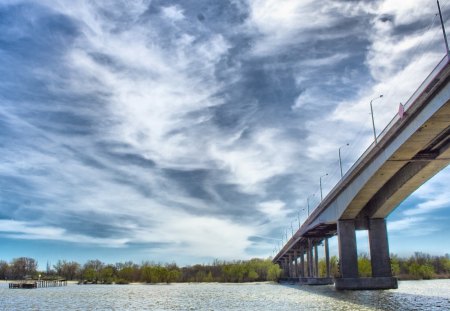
(409, 153)
(423, 155)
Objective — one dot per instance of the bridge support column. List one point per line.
(290, 267)
(381, 275)
(348, 256)
(310, 258)
(379, 248)
(327, 257)
(302, 263)
(313, 277)
(295, 264)
(286, 268)
(316, 262)
(379, 253)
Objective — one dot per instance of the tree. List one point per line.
(90, 275)
(427, 271)
(334, 266)
(173, 276)
(252, 275)
(209, 278)
(106, 275)
(4, 269)
(23, 267)
(364, 266)
(273, 272)
(67, 270)
(395, 265)
(91, 270)
(414, 270)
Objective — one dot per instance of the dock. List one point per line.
(38, 284)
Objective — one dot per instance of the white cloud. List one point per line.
(433, 195)
(280, 24)
(405, 224)
(406, 12)
(411, 227)
(272, 208)
(250, 164)
(173, 12)
(35, 231)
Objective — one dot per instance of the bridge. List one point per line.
(410, 150)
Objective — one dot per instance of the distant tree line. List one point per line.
(421, 266)
(418, 266)
(95, 271)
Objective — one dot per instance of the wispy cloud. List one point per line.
(192, 127)
(432, 197)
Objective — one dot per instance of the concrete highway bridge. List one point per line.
(410, 150)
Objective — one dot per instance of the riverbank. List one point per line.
(409, 277)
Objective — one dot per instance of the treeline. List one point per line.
(95, 271)
(416, 267)
(421, 266)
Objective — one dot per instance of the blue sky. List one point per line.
(192, 130)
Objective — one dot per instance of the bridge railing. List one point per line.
(395, 119)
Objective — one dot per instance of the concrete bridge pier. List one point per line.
(379, 253)
(295, 264)
(291, 270)
(302, 263)
(285, 268)
(313, 277)
(327, 280)
(379, 248)
(310, 258)
(316, 262)
(327, 257)
(317, 279)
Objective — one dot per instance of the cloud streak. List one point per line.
(192, 128)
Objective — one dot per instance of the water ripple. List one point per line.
(412, 295)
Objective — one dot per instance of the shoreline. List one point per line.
(76, 282)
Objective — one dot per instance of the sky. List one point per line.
(184, 131)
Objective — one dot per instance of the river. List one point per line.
(411, 295)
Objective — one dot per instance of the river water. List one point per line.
(411, 295)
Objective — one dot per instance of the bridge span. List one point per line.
(410, 150)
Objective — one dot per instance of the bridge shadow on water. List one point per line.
(377, 299)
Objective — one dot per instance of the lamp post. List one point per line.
(340, 161)
(320, 181)
(443, 29)
(373, 121)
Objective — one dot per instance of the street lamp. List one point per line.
(320, 181)
(373, 121)
(307, 202)
(340, 161)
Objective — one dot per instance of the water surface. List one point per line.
(411, 295)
